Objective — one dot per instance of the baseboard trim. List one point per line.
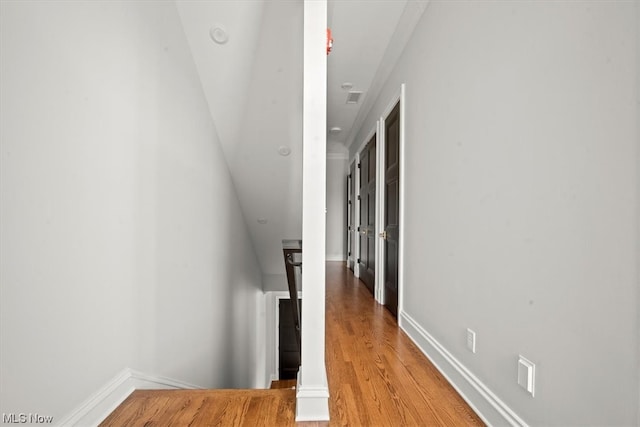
(99, 405)
(312, 403)
(144, 381)
(484, 402)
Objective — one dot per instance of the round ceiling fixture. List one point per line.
(218, 34)
(284, 151)
(262, 221)
(346, 86)
(335, 129)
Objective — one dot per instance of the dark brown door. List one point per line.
(351, 219)
(289, 355)
(391, 209)
(368, 214)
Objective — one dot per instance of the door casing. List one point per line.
(380, 190)
(351, 218)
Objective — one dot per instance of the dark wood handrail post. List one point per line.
(289, 249)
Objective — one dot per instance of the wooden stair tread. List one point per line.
(205, 407)
(221, 393)
(280, 384)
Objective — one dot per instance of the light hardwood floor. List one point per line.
(377, 377)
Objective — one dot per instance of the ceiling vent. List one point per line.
(353, 97)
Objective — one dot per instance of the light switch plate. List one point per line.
(471, 340)
(527, 374)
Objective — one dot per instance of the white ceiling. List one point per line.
(253, 85)
(361, 31)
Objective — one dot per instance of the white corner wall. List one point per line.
(336, 209)
(522, 167)
(122, 242)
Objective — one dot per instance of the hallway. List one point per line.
(377, 377)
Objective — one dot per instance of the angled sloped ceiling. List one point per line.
(253, 84)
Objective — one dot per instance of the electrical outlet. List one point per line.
(471, 340)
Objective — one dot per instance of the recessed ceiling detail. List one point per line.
(353, 97)
(284, 151)
(218, 34)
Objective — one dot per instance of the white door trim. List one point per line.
(356, 212)
(401, 212)
(380, 177)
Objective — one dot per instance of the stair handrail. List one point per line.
(289, 248)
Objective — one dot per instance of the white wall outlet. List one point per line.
(527, 375)
(471, 340)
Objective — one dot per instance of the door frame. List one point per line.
(378, 131)
(357, 249)
(398, 98)
(351, 210)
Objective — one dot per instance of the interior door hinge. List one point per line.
(359, 165)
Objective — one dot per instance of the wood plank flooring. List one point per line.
(377, 377)
(205, 408)
(283, 384)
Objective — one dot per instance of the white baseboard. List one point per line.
(144, 381)
(99, 405)
(336, 258)
(312, 403)
(484, 402)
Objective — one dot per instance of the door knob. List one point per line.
(383, 234)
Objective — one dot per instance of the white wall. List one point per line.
(522, 198)
(122, 242)
(336, 208)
